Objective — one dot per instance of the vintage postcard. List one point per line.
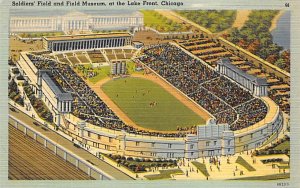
(149, 92)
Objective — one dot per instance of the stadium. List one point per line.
(185, 103)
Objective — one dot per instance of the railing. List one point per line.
(60, 151)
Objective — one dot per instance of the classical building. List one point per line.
(76, 21)
(257, 86)
(85, 42)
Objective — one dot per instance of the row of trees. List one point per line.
(14, 93)
(270, 150)
(214, 20)
(255, 37)
(39, 106)
(142, 164)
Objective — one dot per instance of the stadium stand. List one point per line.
(222, 97)
(211, 51)
(87, 105)
(96, 56)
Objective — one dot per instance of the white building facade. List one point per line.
(257, 86)
(76, 21)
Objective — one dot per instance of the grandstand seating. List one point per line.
(82, 58)
(96, 56)
(217, 94)
(87, 105)
(210, 51)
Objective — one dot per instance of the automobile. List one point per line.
(13, 109)
(36, 123)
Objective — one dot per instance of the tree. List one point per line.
(272, 58)
(280, 63)
(254, 46)
(235, 35)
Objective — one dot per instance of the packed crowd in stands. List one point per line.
(220, 96)
(87, 105)
(211, 51)
(253, 111)
(223, 88)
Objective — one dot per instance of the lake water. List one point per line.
(281, 34)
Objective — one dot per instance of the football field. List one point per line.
(149, 105)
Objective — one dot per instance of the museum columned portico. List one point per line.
(85, 42)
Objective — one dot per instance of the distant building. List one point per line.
(75, 21)
(257, 86)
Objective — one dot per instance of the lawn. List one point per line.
(267, 177)
(130, 65)
(283, 146)
(134, 95)
(160, 23)
(240, 160)
(39, 34)
(164, 174)
(201, 167)
(102, 72)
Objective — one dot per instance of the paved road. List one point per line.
(112, 171)
(45, 166)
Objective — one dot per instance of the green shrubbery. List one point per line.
(214, 20)
(142, 164)
(38, 105)
(282, 146)
(276, 160)
(14, 94)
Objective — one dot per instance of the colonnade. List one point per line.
(257, 86)
(89, 44)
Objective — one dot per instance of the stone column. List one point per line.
(67, 106)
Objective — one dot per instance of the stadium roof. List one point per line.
(87, 36)
(257, 81)
(59, 93)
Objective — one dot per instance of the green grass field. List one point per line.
(267, 177)
(283, 146)
(102, 72)
(134, 95)
(39, 34)
(159, 22)
(164, 174)
(240, 160)
(201, 167)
